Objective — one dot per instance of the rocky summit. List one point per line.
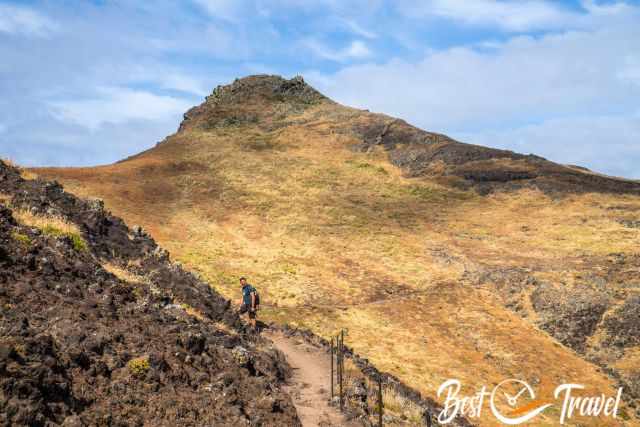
(485, 264)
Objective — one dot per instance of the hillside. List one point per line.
(99, 328)
(442, 259)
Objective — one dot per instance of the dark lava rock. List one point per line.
(623, 325)
(569, 316)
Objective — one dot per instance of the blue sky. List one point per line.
(91, 82)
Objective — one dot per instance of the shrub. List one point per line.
(78, 243)
(139, 366)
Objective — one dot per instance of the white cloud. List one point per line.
(357, 49)
(515, 16)
(3, 128)
(25, 21)
(240, 10)
(225, 9)
(162, 76)
(117, 106)
(357, 29)
(183, 83)
(602, 143)
(631, 71)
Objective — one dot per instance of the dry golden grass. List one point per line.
(52, 225)
(24, 173)
(124, 274)
(334, 238)
(531, 224)
(398, 406)
(42, 222)
(28, 174)
(191, 311)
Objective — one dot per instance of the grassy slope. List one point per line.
(334, 238)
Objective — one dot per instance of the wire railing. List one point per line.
(339, 378)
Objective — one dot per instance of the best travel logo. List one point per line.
(513, 402)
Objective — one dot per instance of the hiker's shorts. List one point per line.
(245, 309)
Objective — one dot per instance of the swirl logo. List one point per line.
(520, 397)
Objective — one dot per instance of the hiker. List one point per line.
(249, 302)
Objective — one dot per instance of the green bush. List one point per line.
(78, 242)
(23, 239)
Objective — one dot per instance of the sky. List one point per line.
(91, 82)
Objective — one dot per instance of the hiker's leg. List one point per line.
(252, 319)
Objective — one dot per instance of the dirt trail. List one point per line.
(310, 386)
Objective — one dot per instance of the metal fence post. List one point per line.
(331, 355)
(380, 404)
(341, 368)
(427, 417)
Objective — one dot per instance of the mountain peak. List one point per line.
(269, 87)
(252, 98)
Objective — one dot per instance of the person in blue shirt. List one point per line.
(249, 302)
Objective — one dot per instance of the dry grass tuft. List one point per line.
(23, 239)
(398, 406)
(193, 312)
(8, 162)
(225, 328)
(42, 222)
(124, 274)
(5, 198)
(24, 173)
(54, 226)
(27, 174)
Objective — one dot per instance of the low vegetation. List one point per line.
(22, 238)
(53, 226)
(401, 409)
(139, 366)
(124, 274)
(24, 173)
(191, 311)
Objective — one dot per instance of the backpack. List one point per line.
(255, 291)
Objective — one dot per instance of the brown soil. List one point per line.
(310, 385)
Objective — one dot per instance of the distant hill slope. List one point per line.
(485, 264)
